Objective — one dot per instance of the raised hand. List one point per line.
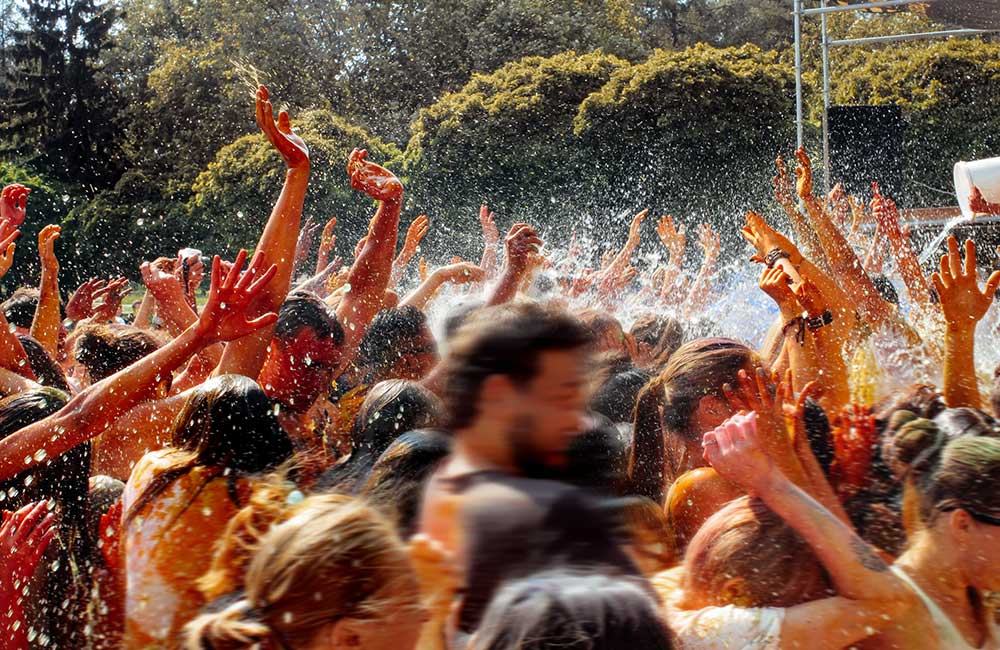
(490, 233)
(160, 277)
(304, 243)
(736, 452)
(957, 286)
(374, 180)
(765, 238)
(673, 238)
(521, 244)
(784, 190)
(803, 175)
(14, 203)
(46, 247)
(81, 304)
(854, 440)
(635, 228)
(839, 205)
(886, 214)
(111, 296)
(709, 242)
(414, 235)
(776, 284)
(223, 318)
(24, 536)
(280, 135)
(327, 241)
(8, 233)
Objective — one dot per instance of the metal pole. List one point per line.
(797, 21)
(826, 101)
(909, 37)
(863, 6)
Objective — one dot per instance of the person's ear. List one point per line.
(344, 634)
(960, 526)
(497, 388)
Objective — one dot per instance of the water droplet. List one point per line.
(40, 455)
(239, 214)
(29, 479)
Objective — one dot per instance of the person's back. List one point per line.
(169, 544)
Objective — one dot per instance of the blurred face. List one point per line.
(299, 370)
(551, 409)
(417, 356)
(397, 626)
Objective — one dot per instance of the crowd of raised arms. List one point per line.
(294, 460)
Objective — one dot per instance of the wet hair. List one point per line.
(567, 610)
(598, 458)
(395, 485)
(747, 540)
(390, 409)
(226, 424)
(942, 472)
(923, 400)
(616, 397)
(458, 315)
(698, 368)
(819, 433)
(332, 560)
(104, 350)
(506, 340)
(387, 336)
(47, 371)
(662, 334)
(885, 289)
(602, 324)
(19, 309)
(644, 516)
(302, 310)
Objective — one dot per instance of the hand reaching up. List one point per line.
(46, 248)
(490, 233)
(304, 243)
(784, 189)
(803, 175)
(8, 234)
(957, 286)
(291, 147)
(223, 318)
(522, 243)
(776, 284)
(414, 235)
(885, 213)
(111, 296)
(374, 180)
(14, 203)
(462, 273)
(765, 239)
(710, 244)
(635, 229)
(736, 452)
(673, 239)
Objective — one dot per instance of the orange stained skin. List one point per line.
(695, 496)
(168, 546)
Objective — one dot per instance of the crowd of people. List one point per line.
(302, 460)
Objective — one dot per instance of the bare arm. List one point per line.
(45, 326)
(459, 273)
(522, 241)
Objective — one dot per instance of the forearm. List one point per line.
(45, 326)
(855, 569)
(398, 267)
(12, 383)
(92, 410)
(961, 387)
(13, 627)
(488, 263)
(909, 270)
(12, 354)
(144, 318)
(808, 241)
(420, 296)
(506, 288)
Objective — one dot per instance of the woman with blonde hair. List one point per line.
(333, 576)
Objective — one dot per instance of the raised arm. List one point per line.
(369, 276)
(840, 257)
(887, 216)
(458, 273)
(45, 326)
(701, 288)
(92, 410)
(414, 234)
(521, 243)
(491, 236)
(785, 190)
(963, 305)
(327, 241)
(675, 241)
(14, 204)
(869, 596)
(277, 241)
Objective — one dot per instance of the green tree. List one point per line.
(54, 97)
(507, 138)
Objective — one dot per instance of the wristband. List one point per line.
(774, 255)
(797, 322)
(816, 322)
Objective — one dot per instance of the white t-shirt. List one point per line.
(718, 628)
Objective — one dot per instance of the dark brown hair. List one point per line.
(506, 340)
(104, 350)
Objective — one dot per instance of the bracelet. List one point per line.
(800, 323)
(816, 322)
(774, 255)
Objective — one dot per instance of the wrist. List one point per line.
(298, 171)
(769, 483)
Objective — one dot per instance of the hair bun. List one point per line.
(233, 628)
(916, 446)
